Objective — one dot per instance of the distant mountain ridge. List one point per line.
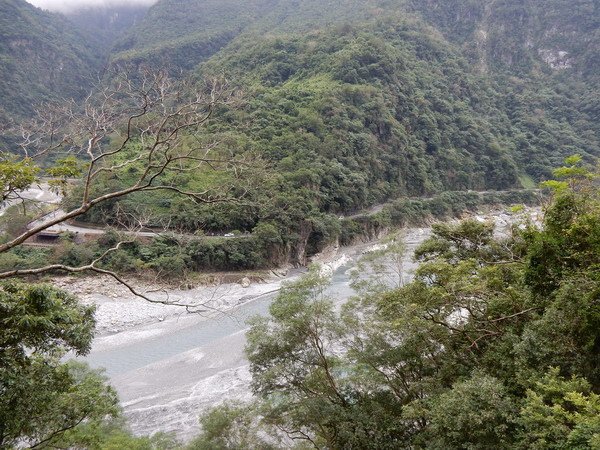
(517, 36)
(106, 24)
(540, 55)
(183, 33)
(514, 33)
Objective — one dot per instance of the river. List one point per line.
(167, 373)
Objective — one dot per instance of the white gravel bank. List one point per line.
(119, 310)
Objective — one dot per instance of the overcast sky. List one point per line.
(68, 5)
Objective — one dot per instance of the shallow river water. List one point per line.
(167, 373)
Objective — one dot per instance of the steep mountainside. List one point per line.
(106, 24)
(541, 56)
(499, 33)
(42, 57)
(521, 36)
(346, 118)
(545, 59)
(187, 32)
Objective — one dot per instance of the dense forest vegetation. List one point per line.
(369, 110)
(338, 139)
(493, 344)
(183, 34)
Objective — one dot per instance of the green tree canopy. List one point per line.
(494, 344)
(43, 398)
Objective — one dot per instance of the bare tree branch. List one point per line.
(140, 123)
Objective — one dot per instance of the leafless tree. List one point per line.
(143, 120)
(382, 268)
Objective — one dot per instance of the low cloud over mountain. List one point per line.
(70, 5)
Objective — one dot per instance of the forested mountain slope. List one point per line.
(385, 108)
(351, 103)
(540, 57)
(42, 57)
(499, 33)
(544, 57)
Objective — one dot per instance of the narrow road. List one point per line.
(45, 195)
(67, 227)
(98, 230)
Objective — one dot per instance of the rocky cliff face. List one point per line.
(520, 35)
